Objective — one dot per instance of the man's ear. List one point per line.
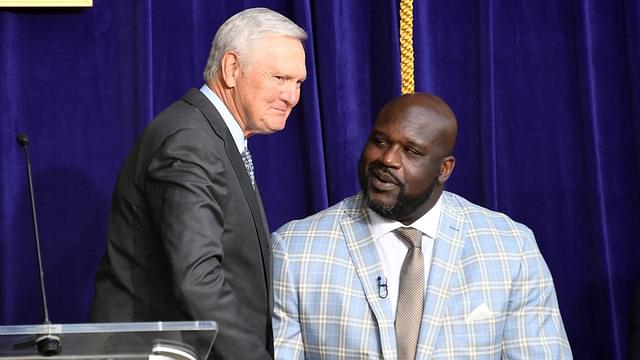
(229, 68)
(446, 168)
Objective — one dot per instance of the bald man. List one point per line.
(405, 270)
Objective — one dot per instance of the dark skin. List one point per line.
(407, 158)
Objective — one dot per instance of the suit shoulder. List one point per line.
(488, 229)
(179, 115)
(480, 216)
(323, 221)
(184, 117)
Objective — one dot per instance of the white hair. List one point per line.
(241, 30)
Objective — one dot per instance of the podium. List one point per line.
(177, 340)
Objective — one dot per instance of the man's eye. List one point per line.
(379, 141)
(412, 151)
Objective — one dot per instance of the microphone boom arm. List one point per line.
(48, 344)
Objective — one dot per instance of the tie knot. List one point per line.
(410, 235)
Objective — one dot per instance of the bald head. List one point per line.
(408, 156)
(429, 109)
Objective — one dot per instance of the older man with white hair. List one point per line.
(188, 238)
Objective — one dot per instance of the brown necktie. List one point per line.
(410, 296)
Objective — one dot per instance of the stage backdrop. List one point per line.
(546, 94)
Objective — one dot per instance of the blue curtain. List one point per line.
(546, 93)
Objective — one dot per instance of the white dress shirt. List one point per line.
(229, 120)
(392, 249)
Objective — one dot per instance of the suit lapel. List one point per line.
(265, 246)
(446, 254)
(364, 255)
(199, 100)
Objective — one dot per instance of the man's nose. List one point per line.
(391, 156)
(290, 93)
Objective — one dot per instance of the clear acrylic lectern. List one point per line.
(182, 340)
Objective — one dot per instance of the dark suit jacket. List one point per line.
(188, 239)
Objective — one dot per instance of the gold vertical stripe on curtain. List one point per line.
(406, 46)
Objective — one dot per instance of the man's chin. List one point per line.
(387, 212)
(381, 207)
(277, 124)
(271, 128)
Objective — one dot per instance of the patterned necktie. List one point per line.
(411, 295)
(248, 164)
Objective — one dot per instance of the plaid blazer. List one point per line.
(489, 294)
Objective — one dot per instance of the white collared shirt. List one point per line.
(229, 120)
(392, 249)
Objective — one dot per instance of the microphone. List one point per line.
(48, 344)
(383, 291)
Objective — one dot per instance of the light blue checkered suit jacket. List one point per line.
(327, 304)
